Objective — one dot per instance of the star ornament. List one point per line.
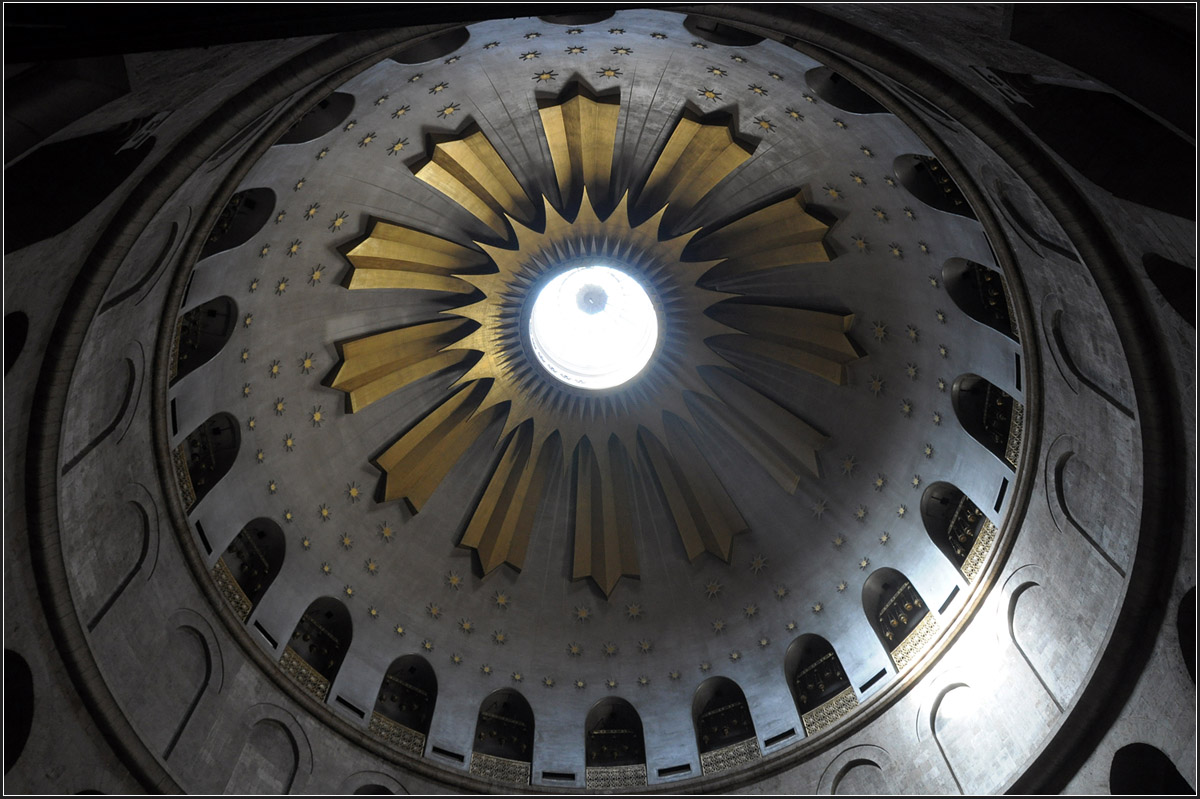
(533, 418)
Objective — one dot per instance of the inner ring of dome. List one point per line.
(593, 327)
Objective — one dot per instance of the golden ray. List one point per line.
(600, 431)
(398, 257)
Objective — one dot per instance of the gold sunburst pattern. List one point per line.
(606, 439)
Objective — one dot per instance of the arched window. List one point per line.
(242, 217)
(980, 293)
(899, 615)
(820, 687)
(962, 532)
(614, 744)
(724, 729)
(404, 707)
(990, 415)
(837, 91)
(200, 334)
(503, 748)
(319, 645)
(926, 179)
(205, 456)
(320, 119)
(249, 564)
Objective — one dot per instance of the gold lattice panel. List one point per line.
(183, 476)
(396, 734)
(731, 756)
(230, 589)
(1016, 429)
(827, 713)
(500, 769)
(299, 670)
(979, 550)
(915, 642)
(606, 777)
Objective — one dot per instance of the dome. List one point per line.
(336, 423)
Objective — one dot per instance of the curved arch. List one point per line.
(1023, 579)
(206, 456)
(320, 119)
(201, 333)
(318, 646)
(820, 688)
(723, 33)
(957, 527)
(437, 46)
(150, 275)
(196, 625)
(248, 566)
(405, 703)
(991, 417)
(849, 759)
(268, 761)
(725, 734)
(18, 710)
(614, 745)
(1175, 282)
(927, 180)
(242, 217)
(504, 738)
(899, 616)
(371, 782)
(981, 294)
(841, 93)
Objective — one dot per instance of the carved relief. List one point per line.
(606, 777)
(821, 717)
(915, 642)
(728, 757)
(397, 735)
(500, 769)
(230, 589)
(299, 670)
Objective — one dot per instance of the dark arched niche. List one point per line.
(958, 528)
(242, 217)
(405, 703)
(320, 119)
(18, 706)
(50, 178)
(927, 180)
(990, 415)
(723, 725)
(897, 614)
(820, 687)
(581, 18)
(205, 456)
(720, 32)
(1142, 769)
(841, 93)
(1176, 282)
(249, 565)
(438, 46)
(614, 744)
(503, 746)
(203, 332)
(318, 646)
(1185, 622)
(980, 293)
(16, 329)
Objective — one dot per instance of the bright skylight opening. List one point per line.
(593, 327)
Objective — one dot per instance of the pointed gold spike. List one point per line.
(604, 546)
(704, 515)
(418, 462)
(581, 133)
(374, 366)
(502, 521)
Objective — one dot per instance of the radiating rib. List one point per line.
(581, 133)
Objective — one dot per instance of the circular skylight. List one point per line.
(593, 327)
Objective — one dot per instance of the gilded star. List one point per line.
(758, 563)
(849, 463)
(712, 589)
